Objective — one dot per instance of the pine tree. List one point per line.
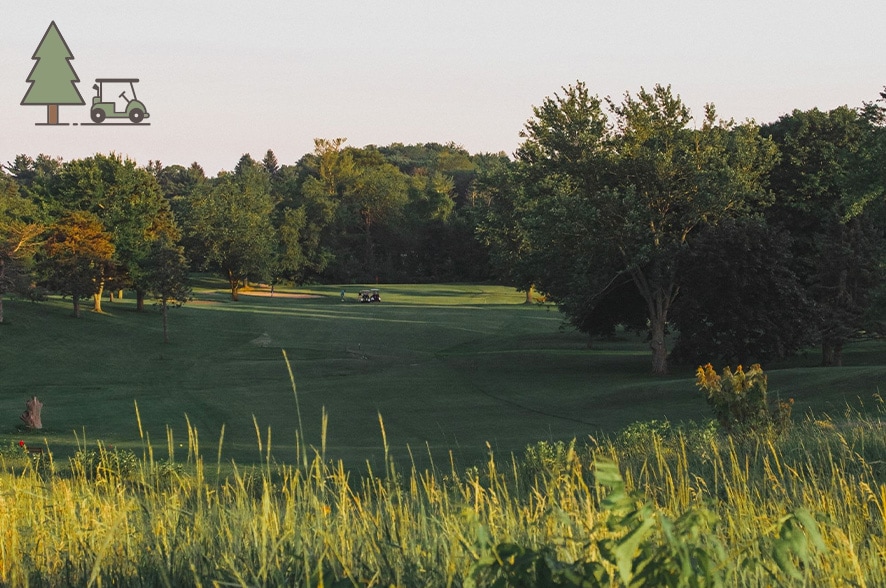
(53, 78)
(270, 164)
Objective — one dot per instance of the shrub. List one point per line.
(106, 462)
(14, 453)
(544, 459)
(740, 403)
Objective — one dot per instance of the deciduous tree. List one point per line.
(829, 182)
(77, 255)
(232, 217)
(18, 239)
(166, 277)
(622, 199)
(501, 211)
(130, 204)
(377, 195)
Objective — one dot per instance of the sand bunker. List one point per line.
(267, 294)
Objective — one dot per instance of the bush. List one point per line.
(546, 460)
(104, 463)
(636, 439)
(740, 403)
(14, 453)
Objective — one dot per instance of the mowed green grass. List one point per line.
(450, 368)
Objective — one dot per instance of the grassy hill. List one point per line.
(448, 367)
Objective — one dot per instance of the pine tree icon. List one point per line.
(53, 79)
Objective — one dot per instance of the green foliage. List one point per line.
(77, 255)
(739, 298)
(399, 212)
(19, 239)
(104, 463)
(642, 546)
(499, 225)
(231, 217)
(165, 275)
(13, 454)
(612, 203)
(740, 403)
(128, 201)
(545, 458)
(829, 191)
(638, 437)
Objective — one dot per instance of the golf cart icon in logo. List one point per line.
(134, 110)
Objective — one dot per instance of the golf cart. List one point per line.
(135, 110)
(369, 295)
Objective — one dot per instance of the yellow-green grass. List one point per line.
(449, 367)
(271, 525)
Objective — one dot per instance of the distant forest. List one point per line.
(750, 241)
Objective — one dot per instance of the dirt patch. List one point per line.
(267, 294)
(202, 301)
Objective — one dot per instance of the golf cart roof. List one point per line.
(124, 80)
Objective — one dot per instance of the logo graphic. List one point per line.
(53, 83)
(135, 110)
(53, 78)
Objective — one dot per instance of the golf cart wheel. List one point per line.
(137, 115)
(97, 115)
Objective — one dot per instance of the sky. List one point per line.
(222, 78)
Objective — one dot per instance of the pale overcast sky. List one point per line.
(221, 78)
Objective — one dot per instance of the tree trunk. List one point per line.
(658, 303)
(529, 295)
(657, 344)
(235, 286)
(838, 355)
(163, 309)
(97, 297)
(139, 300)
(76, 306)
(120, 294)
(52, 114)
(831, 353)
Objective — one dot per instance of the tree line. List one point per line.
(746, 241)
(749, 241)
(90, 227)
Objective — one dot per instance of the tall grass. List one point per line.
(109, 518)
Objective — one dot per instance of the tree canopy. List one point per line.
(78, 254)
(231, 218)
(614, 193)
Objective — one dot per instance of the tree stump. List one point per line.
(31, 416)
